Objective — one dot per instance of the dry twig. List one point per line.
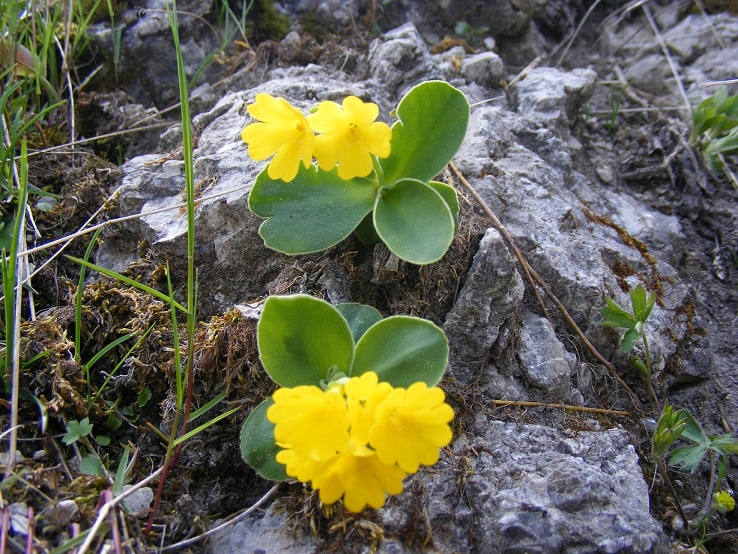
(529, 271)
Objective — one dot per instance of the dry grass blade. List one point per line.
(527, 404)
(105, 510)
(576, 32)
(218, 528)
(667, 54)
(530, 272)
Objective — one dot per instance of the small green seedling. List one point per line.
(715, 129)
(77, 430)
(634, 322)
(674, 425)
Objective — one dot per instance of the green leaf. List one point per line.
(90, 465)
(402, 350)
(196, 431)
(616, 316)
(638, 301)
(726, 444)
(628, 340)
(301, 338)
(207, 407)
(366, 232)
(76, 430)
(102, 440)
(143, 397)
(113, 422)
(359, 317)
(257, 444)
(687, 458)
(315, 211)
(414, 221)
(120, 474)
(448, 193)
(433, 117)
(693, 431)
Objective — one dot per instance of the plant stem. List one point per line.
(185, 404)
(649, 383)
(670, 485)
(711, 487)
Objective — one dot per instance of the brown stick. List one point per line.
(529, 271)
(560, 406)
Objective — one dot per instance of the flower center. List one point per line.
(353, 134)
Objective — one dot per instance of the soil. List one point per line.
(211, 480)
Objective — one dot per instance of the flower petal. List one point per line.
(410, 426)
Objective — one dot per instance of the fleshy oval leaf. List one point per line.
(402, 350)
(433, 117)
(359, 317)
(313, 212)
(414, 221)
(258, 448)
(301, 338)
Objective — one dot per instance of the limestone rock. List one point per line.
(489, 301)
(544, 359)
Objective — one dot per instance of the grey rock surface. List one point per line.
(486, 308)
(503, 18)
(543, 358)
(485, 68)
(148, 63)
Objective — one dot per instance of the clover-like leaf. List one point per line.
(313, 212)
(414, 221)
(258, 448)
(402, 350)
(77, 430)
(301, 339)
(433, 117)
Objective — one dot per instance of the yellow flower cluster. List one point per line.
(359, 439)
(724, 501)
(347, 136)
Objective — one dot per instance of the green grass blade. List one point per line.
(107, 348)
(78, 303)
(204, 426)
(120, 363)
(197, 413)
(128, 281)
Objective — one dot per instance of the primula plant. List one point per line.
(358, 409)
(367, 177)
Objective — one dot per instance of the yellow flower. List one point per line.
(359, 477)
(363, 394)
(358, 439)
(283, 131)
(310, 425)
(724, 501)
(349, 136)
(410, 426)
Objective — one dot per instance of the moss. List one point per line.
(620, 270)
(265, 23)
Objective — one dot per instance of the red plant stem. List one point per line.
(31, 529)
(4, 530)
(172, 455)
